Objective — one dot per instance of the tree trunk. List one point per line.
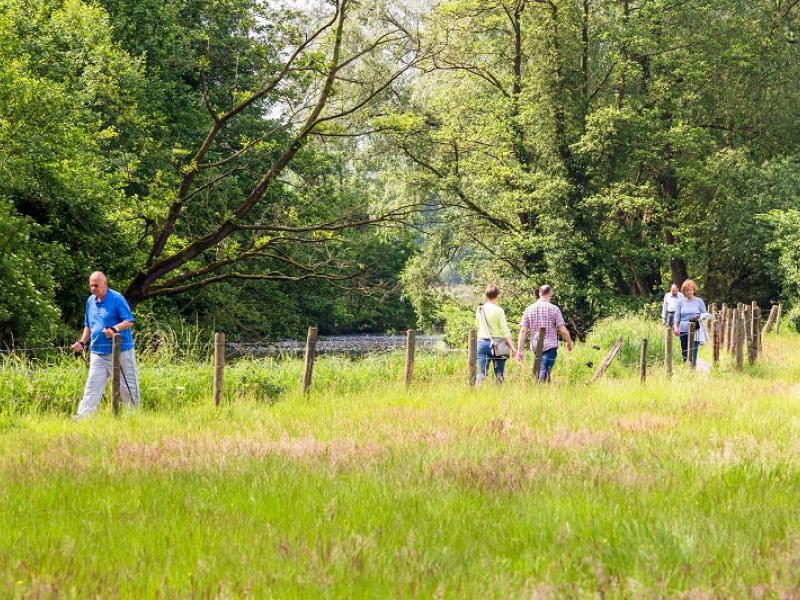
(641, 287)
(585, 57)
(520, 150)
(668, 182)
(677, 266)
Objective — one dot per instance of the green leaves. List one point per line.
(582, 143)
(27, 310)
(67, 97)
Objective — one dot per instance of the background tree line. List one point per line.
(257, 167)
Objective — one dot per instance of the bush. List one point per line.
(458, 320)
(580, 364)
(792, 318)
(27, 288)
(632, 330)
(257, 380)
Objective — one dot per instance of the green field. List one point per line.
(688, 487)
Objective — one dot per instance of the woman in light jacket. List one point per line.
(690, 310)
(492, 327)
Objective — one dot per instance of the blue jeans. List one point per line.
(484, 356)
(685, 348)
(548, 360)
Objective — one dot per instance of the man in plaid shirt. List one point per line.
(543, 314)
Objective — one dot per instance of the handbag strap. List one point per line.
(485, 322)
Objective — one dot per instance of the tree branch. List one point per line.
(219, 122)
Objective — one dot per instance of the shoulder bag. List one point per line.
(499, 348)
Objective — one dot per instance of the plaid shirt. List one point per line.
(543, 314)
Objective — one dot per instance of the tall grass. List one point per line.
(170, 382)
(686, 487)
(175, 370)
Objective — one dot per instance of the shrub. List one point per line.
(580, 364)
(632, 330)
(792, 318)
(458, 320)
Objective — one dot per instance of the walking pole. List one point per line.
(116, 347)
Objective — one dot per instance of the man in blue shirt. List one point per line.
(107, 313)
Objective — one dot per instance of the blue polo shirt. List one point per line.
(106, 313)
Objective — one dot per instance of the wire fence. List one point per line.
(742, 327)
(34, 349)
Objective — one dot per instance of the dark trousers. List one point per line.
(685, 349)
(548, 360)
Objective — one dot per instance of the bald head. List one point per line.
(98, 284)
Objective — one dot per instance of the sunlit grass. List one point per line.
(682, 486)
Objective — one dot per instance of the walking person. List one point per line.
(670, 305)
(494, 337)
(543, 313)
(107, 313)
(691, 309)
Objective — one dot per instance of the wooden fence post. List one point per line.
(759, 336)
(116, 349)
(778, 318)
(411, 337)
(716, 327)
(607, 360)
(723, 325)
(308, 365)
(756, 332)
(472, 356)
(739, 333)
(219, 367)
(643, 361)
(748, 325)
(773, 312)
(729, 331)
(690, 345)
(537, 355)
(668, 351)
(750, 342)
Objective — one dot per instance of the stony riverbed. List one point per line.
(348, 345)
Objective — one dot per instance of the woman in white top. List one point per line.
(492, 330)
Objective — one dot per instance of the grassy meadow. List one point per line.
(688, 487)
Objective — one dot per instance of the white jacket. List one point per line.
(701, 334)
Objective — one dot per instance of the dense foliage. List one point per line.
(259, 167)
(607, 147)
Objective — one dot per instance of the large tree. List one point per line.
(240, 203)
(581, 142)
